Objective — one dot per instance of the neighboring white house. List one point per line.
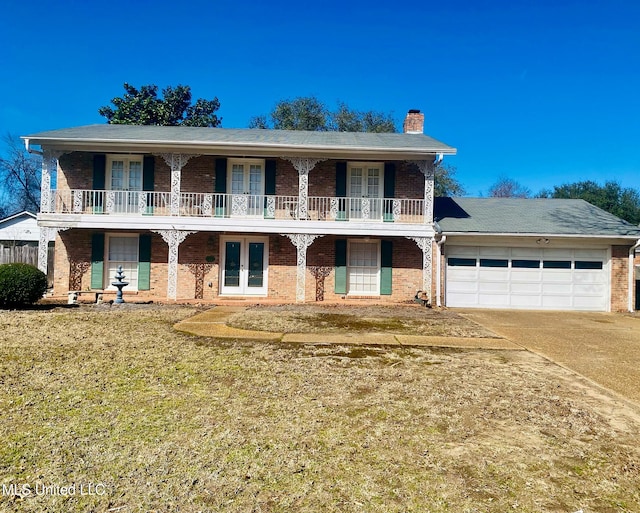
(21, 228)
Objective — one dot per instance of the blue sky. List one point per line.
(545, 92)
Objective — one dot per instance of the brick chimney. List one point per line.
(414, 122)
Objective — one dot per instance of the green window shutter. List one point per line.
(148, 179)
(99, 171)
(389, 189)
(340, 286)
(221, 176)
(341, 179)
(389, 180)
(386, 267)
(144, 264)
(148, 172)
(270, 177)
(97, 260)
(221, 186)
(341, 190)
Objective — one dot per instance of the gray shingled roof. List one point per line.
(514, 216)
(196, 137)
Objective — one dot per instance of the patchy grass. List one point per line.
(333, 318)
(169, 422)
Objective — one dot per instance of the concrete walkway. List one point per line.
(212, 323)
(604, 348)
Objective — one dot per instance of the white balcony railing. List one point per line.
(196, 204)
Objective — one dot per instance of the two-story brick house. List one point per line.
(211, 213)
(206, 213)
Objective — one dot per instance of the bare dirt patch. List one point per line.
(335, 318)
(171, 422)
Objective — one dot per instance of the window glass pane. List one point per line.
(493, 262)
(363, 269)
(461, 262)
(237, 179)
(123, 252)
(256, 264)
(525, 264)
(255, 179)
(232, 264)
(123, 249)
(373, 183)
(135, 176)
(117, 175)
(557, 264)
(355, 182)
(584, 264)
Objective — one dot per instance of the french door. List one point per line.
(125, 180)
(244, 266)
(246, 183)
(365, 190)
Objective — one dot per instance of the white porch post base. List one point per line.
(173, 238)
(425, 244)
(301, 241)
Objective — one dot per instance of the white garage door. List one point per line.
(527, 278)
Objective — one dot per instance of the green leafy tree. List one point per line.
(345, 119)
(508, 188)
(309, 113)
(144, 107)
(305, 113)
(445, 183)
(20, 174)
(623, 202)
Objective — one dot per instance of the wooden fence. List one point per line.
(26, 254)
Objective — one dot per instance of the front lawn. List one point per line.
(157, 420)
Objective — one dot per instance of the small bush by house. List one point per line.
(21, 285)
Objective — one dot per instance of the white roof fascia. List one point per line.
(547, 235)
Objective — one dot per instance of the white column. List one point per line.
(47, 234)
(428, 170)
(173, 238)
(425, 244)
(303, 166)
(301, 241)
(43, 247)
(176, 161)
(49, 165)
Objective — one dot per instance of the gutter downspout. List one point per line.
(29, 149)
(439, 244)
(632, 254)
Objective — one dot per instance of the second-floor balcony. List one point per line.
(241, 206)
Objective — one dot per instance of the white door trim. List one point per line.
(243, 288)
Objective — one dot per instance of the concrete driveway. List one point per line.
(602, 347)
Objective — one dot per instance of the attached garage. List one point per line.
(527, 278)
(536, 254)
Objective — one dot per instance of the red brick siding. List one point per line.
(198, 175)
(76, 245)
(619, 278)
